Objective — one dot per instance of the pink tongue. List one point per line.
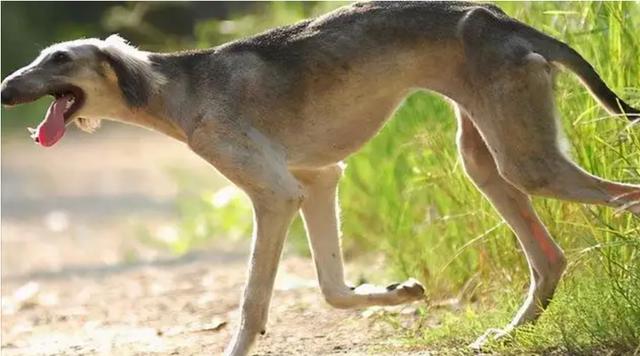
(51, 129)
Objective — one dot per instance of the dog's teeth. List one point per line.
(32, 130)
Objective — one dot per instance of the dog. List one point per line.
(277, 113)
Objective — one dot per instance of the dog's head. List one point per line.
(89, 79)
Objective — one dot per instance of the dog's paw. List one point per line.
(409, 290)
(490, 335)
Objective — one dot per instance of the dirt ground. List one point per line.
(76, 279)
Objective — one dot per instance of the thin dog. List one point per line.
(278, 112)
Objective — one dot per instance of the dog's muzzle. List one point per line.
(15, 91)
(8, 95)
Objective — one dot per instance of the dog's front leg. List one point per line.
(271, 220)
(249, 160)
(321, 219)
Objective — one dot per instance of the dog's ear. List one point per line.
(132, 69)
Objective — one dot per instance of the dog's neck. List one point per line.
(154, 117)
(126, 86)
(111, 106)
(182, 97)
(143, 85)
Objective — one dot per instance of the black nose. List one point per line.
(8, 95)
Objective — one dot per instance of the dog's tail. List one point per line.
(559, 52)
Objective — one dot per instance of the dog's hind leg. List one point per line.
(322, 223)
(248, 159)
(546, 260)
(515, 113)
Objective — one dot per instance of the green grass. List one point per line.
(405, 195)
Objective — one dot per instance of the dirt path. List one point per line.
(76, 280)
(184, 307)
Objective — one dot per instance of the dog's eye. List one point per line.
(60, 57)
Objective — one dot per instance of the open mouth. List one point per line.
(67, 101)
